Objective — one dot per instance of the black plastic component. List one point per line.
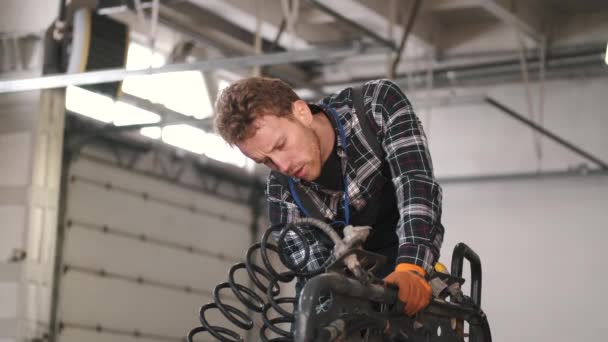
(462, 251)
(334, 305)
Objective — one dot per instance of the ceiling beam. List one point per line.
(213, 26)
(353, 24)
(242, 14)
(232, 39)
(375, 14)
(449, 5)
(512, 19)
(498, 10)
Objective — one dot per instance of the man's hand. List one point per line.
(414, 290)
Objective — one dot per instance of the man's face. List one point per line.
(287, 145)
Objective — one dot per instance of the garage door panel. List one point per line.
(143, 262)
(135, 215)
(140, 259)
(120, 177)
(125, 306)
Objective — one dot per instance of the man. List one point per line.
(320, 151)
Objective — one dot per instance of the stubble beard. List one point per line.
(317, 158)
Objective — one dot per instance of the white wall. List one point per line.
(541, 241)
(542, 246)
(475, 139)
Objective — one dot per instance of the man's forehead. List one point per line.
(263, 137)
(266, 126)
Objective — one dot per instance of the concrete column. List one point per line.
(31, 137)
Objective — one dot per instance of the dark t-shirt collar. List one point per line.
(331, 173)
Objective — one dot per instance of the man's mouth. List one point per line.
(299, 172)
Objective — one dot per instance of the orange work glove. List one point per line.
(414, 290)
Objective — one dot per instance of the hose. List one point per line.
(265, 279)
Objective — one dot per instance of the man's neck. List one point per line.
(325, 133)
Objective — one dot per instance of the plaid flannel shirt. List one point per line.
(404, 144)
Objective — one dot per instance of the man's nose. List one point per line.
(282, 164)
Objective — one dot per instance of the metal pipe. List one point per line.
(546, 132)
(154, 23)
(559, 63)
(257, 39)
(522, 176)
(354, 25)
(410, 24)
(277, 37)
(113, 75)
(140, 13)
(528, 91)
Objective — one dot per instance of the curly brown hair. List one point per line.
(247, 99)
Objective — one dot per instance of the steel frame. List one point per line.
(113, 75)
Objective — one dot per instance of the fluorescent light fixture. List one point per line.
(90, 104)
(185, 136)
(606, 55)
(104, 109)
(153, 132)
(146, 87)
(184, 92)
(141, 57)
(218, 149)
(198, 141)
(126, 114)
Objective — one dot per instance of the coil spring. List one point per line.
(252, 300)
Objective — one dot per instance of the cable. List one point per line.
(526, 79)
(291, 18)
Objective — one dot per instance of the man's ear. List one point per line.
(302, 112)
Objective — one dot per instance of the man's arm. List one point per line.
(418, 194)
(283, 210)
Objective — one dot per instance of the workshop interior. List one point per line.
(125, 217)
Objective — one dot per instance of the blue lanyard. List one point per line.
(294, 194)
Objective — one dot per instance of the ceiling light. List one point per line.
(218, 149)
(126, 114)
(153, 132)
(185, 136)
(88, 103)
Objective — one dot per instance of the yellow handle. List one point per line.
(439, 267)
